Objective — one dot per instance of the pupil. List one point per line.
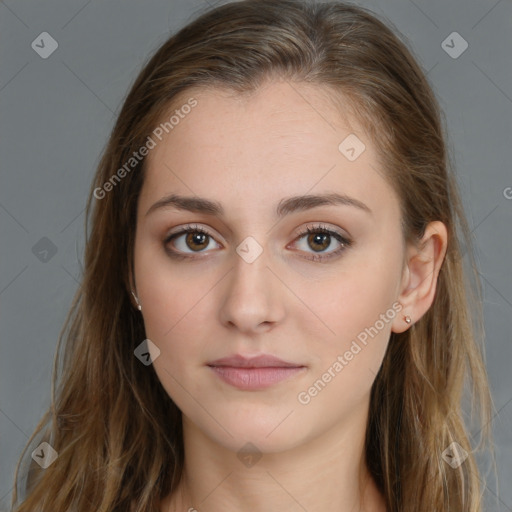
(320, 239)
(196, 241)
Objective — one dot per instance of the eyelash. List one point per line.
(318, 257)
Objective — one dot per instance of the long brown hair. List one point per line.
(116, 431)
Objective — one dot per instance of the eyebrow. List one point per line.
(285, 207)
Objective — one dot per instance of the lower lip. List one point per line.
(255, 378)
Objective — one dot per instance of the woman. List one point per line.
(273, 314)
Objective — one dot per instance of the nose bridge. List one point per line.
(250, 268)
(250, 297)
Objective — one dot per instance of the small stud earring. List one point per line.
(139, 307)
(407, 319)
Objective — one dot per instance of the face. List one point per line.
(248, 279)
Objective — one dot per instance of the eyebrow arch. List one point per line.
(286, 206)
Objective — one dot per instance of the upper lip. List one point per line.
(260, 361)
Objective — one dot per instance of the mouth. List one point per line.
(254, 373)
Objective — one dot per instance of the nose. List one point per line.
(251, 299)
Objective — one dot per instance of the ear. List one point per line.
(419, 279)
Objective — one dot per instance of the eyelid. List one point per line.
(187, 227)
(323, 226)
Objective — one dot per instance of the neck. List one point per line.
(328, 473)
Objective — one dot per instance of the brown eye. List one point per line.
(319, 241)
(189, 240)
(196, 241)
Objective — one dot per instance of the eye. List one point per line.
(195, 239)
(319, 238)
(191, 239)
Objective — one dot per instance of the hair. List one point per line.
(117, 433)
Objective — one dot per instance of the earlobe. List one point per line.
(423, 263)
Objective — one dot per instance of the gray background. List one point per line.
(57, 114)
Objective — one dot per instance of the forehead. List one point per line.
(277, 113)
(282, 139)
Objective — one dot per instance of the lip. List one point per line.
(260, 361)
(253, 373)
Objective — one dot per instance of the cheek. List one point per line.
(175, 320)
(175, 315)
(347, 362)
(348, 301)
(177, 312)
(356, 308)
(169, 290)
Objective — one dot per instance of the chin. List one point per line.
(269, 433)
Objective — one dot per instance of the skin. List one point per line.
(248, 153)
